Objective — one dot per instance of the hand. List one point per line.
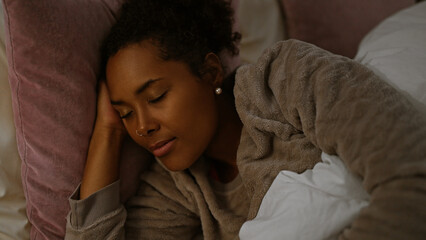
(103, 158)
(107, 116)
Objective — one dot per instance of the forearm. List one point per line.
(102, 165)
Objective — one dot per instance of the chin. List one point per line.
(175, 165)
(174, 168)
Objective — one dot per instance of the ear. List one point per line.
(213, 70)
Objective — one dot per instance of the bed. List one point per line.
(49, 65)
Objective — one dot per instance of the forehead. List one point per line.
(132, 60)
(136, 64)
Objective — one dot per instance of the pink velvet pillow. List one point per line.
(336, 25)
(54, 63)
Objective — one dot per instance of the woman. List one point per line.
(165, 87)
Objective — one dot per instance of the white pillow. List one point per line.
(396, 50)
(316, 204)
(261, 24)
(13, 220)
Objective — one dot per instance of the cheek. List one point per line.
(194, 123)
(131, 130)
(198, 115)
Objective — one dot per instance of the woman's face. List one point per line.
(174, 110)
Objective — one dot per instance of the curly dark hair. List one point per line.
(183, 30)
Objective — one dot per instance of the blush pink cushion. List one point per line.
(336, 25)
(53, 54)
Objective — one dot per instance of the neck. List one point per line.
(223, 148)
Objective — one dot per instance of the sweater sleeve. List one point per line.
(346, 110)
(156, 212)
(100, 216)
(162, 211)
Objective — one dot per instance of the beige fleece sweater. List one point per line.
(168, 205)
(296, 102)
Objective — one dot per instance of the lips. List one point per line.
(162, 148)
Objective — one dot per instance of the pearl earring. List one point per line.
(218, 91)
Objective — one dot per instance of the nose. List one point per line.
(147, 126)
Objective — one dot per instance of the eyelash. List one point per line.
(126, 115)
(155, 100)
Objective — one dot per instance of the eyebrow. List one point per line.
(138, 91)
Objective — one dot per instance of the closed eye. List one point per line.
(157, 99)
(126, 115)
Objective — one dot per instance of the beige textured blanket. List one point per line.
(299, 100)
